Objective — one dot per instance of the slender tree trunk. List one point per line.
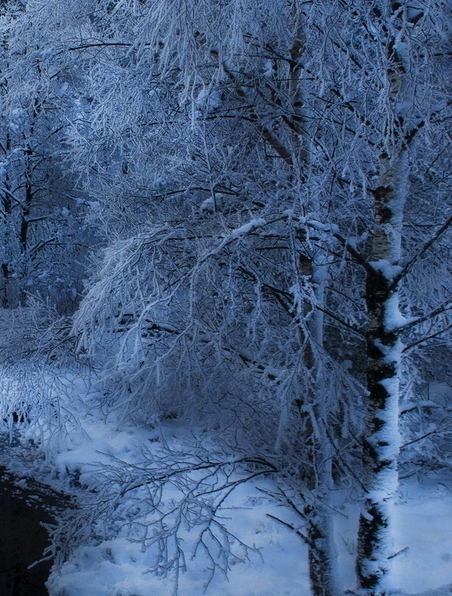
(317, 454)
(8, 284)
(317, 450)
(319, 523)
(381, 438)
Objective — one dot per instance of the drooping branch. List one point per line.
(342, 322)
(293, 528)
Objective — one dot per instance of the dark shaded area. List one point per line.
(24, 505)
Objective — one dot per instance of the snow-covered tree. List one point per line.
(44, 239)
(288, 144)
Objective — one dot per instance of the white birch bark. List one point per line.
(381, 437)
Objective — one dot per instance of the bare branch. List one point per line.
(426, 339)
(436, 236)
(342, 322)
(435, 431)
(100, 44)
(293, 528)
(431, 315)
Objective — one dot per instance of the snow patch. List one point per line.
(251, 225)
(388, 270)
(393, 318)
(332, 228)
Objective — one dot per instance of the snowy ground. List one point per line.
(278, 567)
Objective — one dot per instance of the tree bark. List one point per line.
(381, 440)
(311, 267)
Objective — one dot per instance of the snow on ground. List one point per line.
(119, 567)
(115, 566)
(423, 526)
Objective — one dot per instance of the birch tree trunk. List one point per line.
(381, 437)
(313, 411)
(317, 451)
